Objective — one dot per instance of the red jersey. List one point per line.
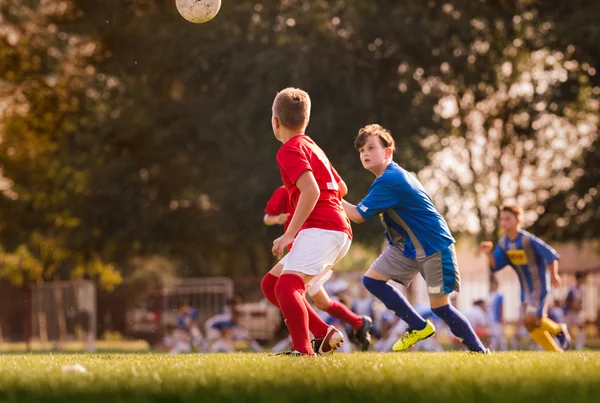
(279, 203)
(301, 154)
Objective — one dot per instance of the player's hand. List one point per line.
(555, 280)
(280, 243)
(282, 218)
(486, 247)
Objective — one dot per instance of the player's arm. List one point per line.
(309, 195)
(382, 196)
(352, 212)
(496, 257)
(343, 188)
(555, 278)
(549, 255)
(487, 248)
(279, 219)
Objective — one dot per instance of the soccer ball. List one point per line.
(198, 11)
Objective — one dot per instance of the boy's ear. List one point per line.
(276, 122)
(389, 153)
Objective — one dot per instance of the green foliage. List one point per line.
(129, 133)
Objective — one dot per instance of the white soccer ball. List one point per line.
(198, 11)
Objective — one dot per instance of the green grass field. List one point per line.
(360, 377)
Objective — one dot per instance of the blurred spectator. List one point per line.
(556, 312)
(187, 321)
(573, 309)
(224, 330)
(478, 318)
(495, 314)
(363, 304)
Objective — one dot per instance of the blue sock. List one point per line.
(460, 327)
(395, 301)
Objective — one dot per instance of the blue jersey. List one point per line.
(407, 213)
(494, 307)
(530, 257)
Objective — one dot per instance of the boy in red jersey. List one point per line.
(278, 211)
(319, 227)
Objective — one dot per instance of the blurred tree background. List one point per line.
(129, 136)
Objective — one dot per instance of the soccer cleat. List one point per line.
(485, 352)
(564, 338)
(294, 353)
(362, 335)
(328, 344)
(413, 336)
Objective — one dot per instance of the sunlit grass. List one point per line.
(364, 377)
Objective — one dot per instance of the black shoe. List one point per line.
(362, 336)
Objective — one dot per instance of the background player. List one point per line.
(536, 265)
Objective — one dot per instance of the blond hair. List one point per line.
(292, 107)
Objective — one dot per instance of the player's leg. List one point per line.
(537, 327)
(336, 309)
(313, 250)
(360, 324)
(393, 264)
(442, 277)
(269, 281)
(289, 290)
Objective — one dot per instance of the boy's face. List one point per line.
(508, 221)
(373, 154)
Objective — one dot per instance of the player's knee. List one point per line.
(530, 323)
(323, 305)
(372, 285)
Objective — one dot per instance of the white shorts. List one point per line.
(315, 251)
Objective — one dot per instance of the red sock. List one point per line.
(342, 312)
(290, 295)
(316, 325)
(268, 287)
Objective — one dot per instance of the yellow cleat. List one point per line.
(413, 336)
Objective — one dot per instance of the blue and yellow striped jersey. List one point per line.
(529, 256)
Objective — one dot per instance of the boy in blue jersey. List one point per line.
(419, 242)
(536, 265)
